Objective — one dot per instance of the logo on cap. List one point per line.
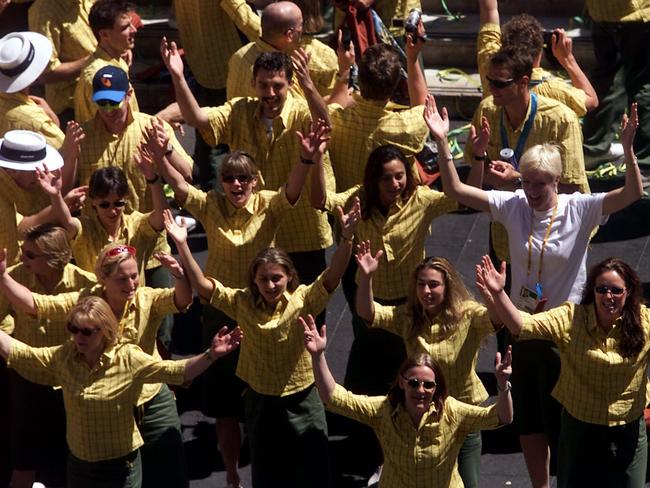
(106, 81)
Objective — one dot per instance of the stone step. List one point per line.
(459, 93)
(568, 8)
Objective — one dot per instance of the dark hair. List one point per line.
(107, 180)
(237, 163)
(520, 63)
(523, 32)
(453, 303)
(373, 173)
(52, 241)
(312, 20)
(396, 394)
(272, 255)
(632, 335)
(379, 72)
(104, 13)
(275, 61)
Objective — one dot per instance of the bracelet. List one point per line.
(484, 157)
(506, 389)
(306, 161)
(152, 180)
(208, 356)
(347, 239)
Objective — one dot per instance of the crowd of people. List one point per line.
(300, 146)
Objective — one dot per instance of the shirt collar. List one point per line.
(591, 320)
(249, 208)
(264, 46)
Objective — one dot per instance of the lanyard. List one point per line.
(521, 142)
(538, 285)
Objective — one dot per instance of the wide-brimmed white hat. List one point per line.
(23, 57)
(25, 150)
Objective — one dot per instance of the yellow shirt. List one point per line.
(619, 10)
(596, 384)
(235, 236)
(98, 401)
(91, 238)
(84, 107)
(555, 123)
(273, 359)
(323, 66)
(542, 82)
(18, 111)
(421, 457)
(456, 352)
(400, 234)
(65, 24)
(43, 333)
(138, 325)
(246, 20)
(238, 123)
(209, 38)
(357, 130)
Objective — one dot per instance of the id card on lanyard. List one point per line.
(521, 142)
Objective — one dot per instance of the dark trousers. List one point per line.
(207, 158)
(124, 472)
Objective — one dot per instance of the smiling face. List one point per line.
(88, 345)
(610, 293)
(392, 182)
(109, 209)
(123, 283)
(430, 290)
(271, 280)
(503, 87)
(417, 399)
(271, 87)
(540, 188)
(238, 188)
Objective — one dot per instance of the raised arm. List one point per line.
(502, 371)
(203, 286)
(620, 198)
(5, 344)
(242, 14)
(346, 59)
(182, 288)
(20, 296)
(315, 343)
(488, 11)
(312, 147)
(317, 106)
(192, 112)
(417, 85)
(438, 123)
(562, 47)
(368, 264)
(50, 183)
(491, 283)
(318, 190)
(223, 343)
(341, 256)
(143, 158)
(74, 136)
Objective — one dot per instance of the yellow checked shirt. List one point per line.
(138, 325)
(596, 384)
(84, 107)
(400, 234)
(91, 238)
(554, 123)
(619, 10)
(273, 359)
(14, 202)
(238, 123)
(244, 18)
(98, 401)
(323, 66)
(209, 38)
(236, 235)
(421, 457)
(43, 333)
(542, 82)
(18, 111)
(456, 352)
(357, 130)
(65, 24)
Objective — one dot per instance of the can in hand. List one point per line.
(508, 155)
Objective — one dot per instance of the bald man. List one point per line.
(282, 30)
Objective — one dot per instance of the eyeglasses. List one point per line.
(500, 83)
(108, 105)
(232, 178)
(107, 205)
(614, 290)
(74, 330)
(415, 383)
(121, 249)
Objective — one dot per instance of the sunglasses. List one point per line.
(232, 178)
(500, 83)
(74, 330)
(108, 106)
(415, 383)
(107, 205)
(614, 290)
(121, 249)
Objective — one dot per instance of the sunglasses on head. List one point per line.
(74, 330)
(108, 105)
(107, 205)
(500, 83)
(232, 178)
(415, 383)
(121, 249)
(614, 290)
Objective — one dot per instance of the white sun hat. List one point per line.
(25, 150)
(23, 57)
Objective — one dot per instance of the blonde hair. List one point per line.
(106, 265)
(545, 158)
(93, 311)
(52, 241)
(272, 255)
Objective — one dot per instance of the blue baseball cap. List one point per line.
(110, 83)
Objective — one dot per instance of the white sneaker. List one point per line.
(614, 155)
(373, 481)
(38, 485)
(190, 223)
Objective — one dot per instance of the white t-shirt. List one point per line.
(565, 254)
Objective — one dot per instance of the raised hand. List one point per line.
(438, 122)
(481, 138)
(156, 138)
(315, 342)
(314, 143)
(225, 342)
(171, 57)
(74, 135)
(345, 55)
(349, 220)
(562, 46)
(49, 181)
(503, 367)
(300, 61)
(175, 231)
(170, 262)
(143, 159)
(488, 279)
(368, 263)
(500, 174)
(76, 197)
(629, 125)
